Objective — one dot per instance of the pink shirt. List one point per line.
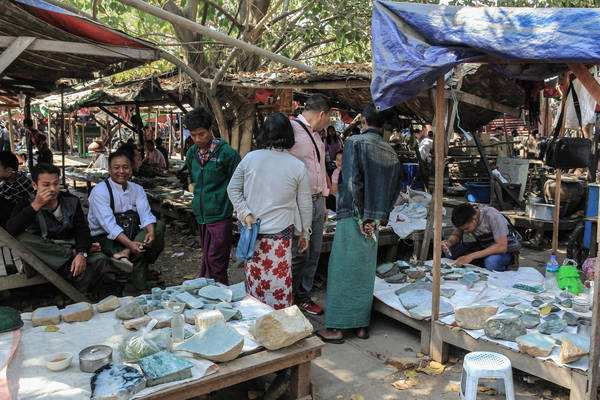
(156, 158)
(304, 150)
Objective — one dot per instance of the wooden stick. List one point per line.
(439, 139)
(587, 80)
(593, 366)
(11, 132)
(185, 23)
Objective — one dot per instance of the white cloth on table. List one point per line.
(274, 186)
(100, 216)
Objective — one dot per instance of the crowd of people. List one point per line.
(300, 169)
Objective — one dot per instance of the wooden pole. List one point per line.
(11, 132)
(182, 151)
(439, 140)
(156, 135)
(182, 22)
(62, 134)
(170, 132)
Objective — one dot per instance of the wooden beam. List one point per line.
(479, 102)
(556, 213)
(439, 141)
(594, 367)
(587, 80)
(90, 49)
(14, 47)
(40, 266)
(219, 36)
(115, 116)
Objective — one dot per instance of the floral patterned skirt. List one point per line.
(269, 273)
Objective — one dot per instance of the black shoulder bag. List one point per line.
(129, 220)
(568, 152)
(312, 139)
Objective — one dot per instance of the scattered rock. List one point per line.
(447, 292)
(213, 292)
(108, 304)
(189, 300)
(130, 310)
(570, 318)
(414, 273)
(567, 303)
(535, 344)
(281, 328)
(504, 326)
(45, 316)
(396, 278)
(219, 343)
(536, 303)
(77, 312)
(207, 318)
(552, 326)
(136, 323)
(530, 320)
(474, 317)
(511, 301)
(573, 347)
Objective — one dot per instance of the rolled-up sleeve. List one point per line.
(235, 191)
(143, 208)
(304, 200)
(100, 213)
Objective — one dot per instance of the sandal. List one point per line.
(122, 263)
(331, 336)
(362, 333)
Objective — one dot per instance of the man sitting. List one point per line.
(53, 227)
(14, 185)
(163, 150)
(118, 209)
(154, 158)
(495, 241)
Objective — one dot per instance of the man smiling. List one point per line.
(211, 162)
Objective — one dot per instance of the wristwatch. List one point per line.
(83, 253)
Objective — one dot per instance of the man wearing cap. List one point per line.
(211, 162)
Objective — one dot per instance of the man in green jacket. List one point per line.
(211, 162)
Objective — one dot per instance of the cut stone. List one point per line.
(45, 316)
(474, 317)
(136, 323)
(163, 317)
(206, 319)
(281, 328)
(219, 343)
(190, 315)
(414, 273)
(192, 285)
(400, 277)
(77, 312)
(511, 301)
(570, 318)
(530, 320)
(535, 344)
(387, 269)
(108, 304)
(551, 317)
(504, 326)
(469, 279)
(447, 292)
(238, 291)
(566, 303)
(228, 311)
(189, 300)
(573, 347)
(413, 298)
(552, 326)
(213, 292)
(536, 303)
(130, 311)
(164, 367)
(116, 381)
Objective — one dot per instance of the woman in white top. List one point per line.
(272, 185)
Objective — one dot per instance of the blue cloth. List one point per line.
(247, 243)
(370, 179)
(494, 262)
(413, 44)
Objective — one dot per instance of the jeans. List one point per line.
(304, 266)
(216, 241)
(494, 262)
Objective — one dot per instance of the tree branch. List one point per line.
(219, 75)
(224, 12)
(311, 45)
(286, 14)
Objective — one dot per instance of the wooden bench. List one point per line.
(11, 260)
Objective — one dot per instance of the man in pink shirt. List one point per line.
(310, 149)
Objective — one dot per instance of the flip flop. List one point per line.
(330, 340)
(122, 263)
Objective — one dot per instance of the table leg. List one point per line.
(439, 349)
(300, 381)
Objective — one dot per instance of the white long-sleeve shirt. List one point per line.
(274, 186)
(100, 216)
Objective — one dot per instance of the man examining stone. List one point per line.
(121, 221)
(310, 149)
(54, 228)
(211, 163)
(495, 245)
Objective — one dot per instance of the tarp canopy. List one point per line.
(413, 44)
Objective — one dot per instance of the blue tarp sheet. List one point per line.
(413, 44)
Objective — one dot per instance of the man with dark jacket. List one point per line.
(210, 163)
(54, 228)
(15, 186)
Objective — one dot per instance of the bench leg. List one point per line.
(300, 381)
(425, 340)
(578, 387)
(439, 349)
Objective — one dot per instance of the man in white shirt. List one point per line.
(121, 221)
(425, 144)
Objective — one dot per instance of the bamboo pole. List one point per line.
(11, 132)
(594, 367)
(439, 141)
(219, 36)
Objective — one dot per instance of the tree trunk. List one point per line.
(247, 125)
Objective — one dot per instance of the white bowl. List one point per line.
(58, 361)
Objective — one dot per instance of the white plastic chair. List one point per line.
(485, 364)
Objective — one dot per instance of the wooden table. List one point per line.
(298, 357)
(423, 326)
(442, 336)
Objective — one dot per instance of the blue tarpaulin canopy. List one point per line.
(413, 44)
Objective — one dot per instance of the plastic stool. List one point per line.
(485, 364)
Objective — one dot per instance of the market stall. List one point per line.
(414, 46)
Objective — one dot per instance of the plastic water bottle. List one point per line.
(550, 283)
(177, 324)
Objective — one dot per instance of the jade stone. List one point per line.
(213, 292)
(396, 278)
(552, 326)
(551, 317)
(511, 301)
(189, 300)
(385, 270)
(567, 303)
(447, 292)
(219, 343)
(504, 326)
(164, 367)
(535, 345)
(536, 303)
(238, 291)
(570, 319)
(530, 320)
(573, 347)
(228, 311)
(116, 381)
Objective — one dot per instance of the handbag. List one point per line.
(129, 220)
(568, 152)
(247, 242)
